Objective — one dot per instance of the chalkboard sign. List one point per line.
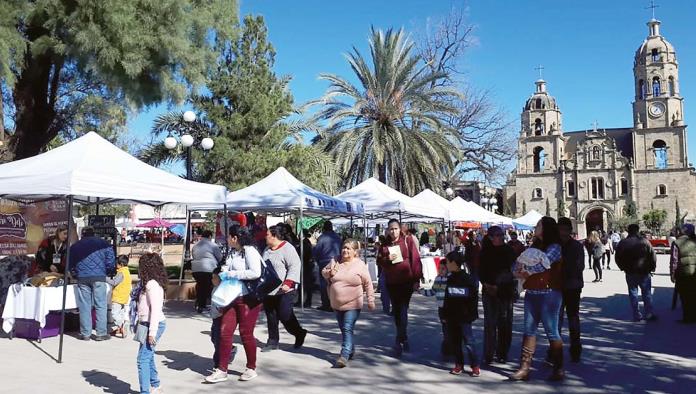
(100, 221)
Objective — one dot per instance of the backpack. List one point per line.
(597, 250)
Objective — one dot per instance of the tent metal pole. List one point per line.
(65, 280)
(187, 244)
(226, 230)
(302, 281)
(365, 238)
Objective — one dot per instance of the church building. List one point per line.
(590, 175)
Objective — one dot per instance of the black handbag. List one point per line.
(258, 289)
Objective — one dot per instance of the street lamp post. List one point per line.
(187, 137)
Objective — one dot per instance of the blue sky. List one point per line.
(586, 48)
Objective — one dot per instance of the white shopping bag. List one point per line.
(226, 292)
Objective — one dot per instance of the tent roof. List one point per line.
(381, 200)
(530, 219)
(91, 167)
(467, 211)
(282, 192)
(428, 196)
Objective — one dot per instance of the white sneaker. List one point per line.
(248, 375)
(216, 377)
(157, 390)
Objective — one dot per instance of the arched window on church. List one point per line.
(660, 151)
(670, 85)
(538, 159)
(642, 89)
(538, 104)
(655, 55)
(538, 127)
(656, 89)
(624, 187)
(596, 153)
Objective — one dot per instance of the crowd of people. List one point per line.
(549, 269)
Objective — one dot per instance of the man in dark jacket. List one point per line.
(91, 260)
(328, 247)
(636, 257)
(683, 271)
(573, 265)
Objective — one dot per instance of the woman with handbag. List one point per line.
(401, 266)
(243, 264)
(497, 259)
(151, 323)
(543, 281)
(278, 303)
(348, 281)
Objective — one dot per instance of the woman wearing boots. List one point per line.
(542, 301)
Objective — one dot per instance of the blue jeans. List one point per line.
(88, 295)
(147, 370)
(384, 294)
(644, 281)
(459, 332)
(544, 308)
(346, 322)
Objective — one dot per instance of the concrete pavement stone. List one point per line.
(619, 355)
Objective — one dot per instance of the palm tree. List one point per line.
(390, 126)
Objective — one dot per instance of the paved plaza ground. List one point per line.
(619, 355)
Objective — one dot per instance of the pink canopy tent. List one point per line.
(158, 223)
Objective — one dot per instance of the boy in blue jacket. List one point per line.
(460, 310)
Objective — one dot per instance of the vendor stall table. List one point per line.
(34, 303)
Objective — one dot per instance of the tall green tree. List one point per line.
(654, 219)
(392, 124)
(248, 110)
(68, 67)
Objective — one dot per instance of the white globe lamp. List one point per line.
(484, 200)
(449, 191)
(170, 142)
(189, 116)
(186, 140)
(207, 143)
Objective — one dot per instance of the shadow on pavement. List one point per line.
(182, 361)
(107, 382)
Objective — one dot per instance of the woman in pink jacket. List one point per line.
(348, 281)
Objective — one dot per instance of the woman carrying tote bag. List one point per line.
(244, 264)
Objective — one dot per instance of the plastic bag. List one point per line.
(228, 290)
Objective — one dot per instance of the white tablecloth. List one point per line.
(429, 272)
(34, 303)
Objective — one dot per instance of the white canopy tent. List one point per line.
(429, 197)
(528, 221)
(90, 170)
(281, 192)
(381, 201)
(467, 211)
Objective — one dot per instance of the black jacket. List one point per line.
(573, 265)
(461, 298)
(496, 269)
(635, 255)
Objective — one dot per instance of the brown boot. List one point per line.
(556, 352)
(528, 347)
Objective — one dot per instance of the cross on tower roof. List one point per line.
(594, 126)
(653, 6)
(540, 68)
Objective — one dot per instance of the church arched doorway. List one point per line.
(594, 220)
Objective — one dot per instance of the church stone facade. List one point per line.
(590, 175)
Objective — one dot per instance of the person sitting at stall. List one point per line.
(50, 257)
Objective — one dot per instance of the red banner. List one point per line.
(23, 225)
